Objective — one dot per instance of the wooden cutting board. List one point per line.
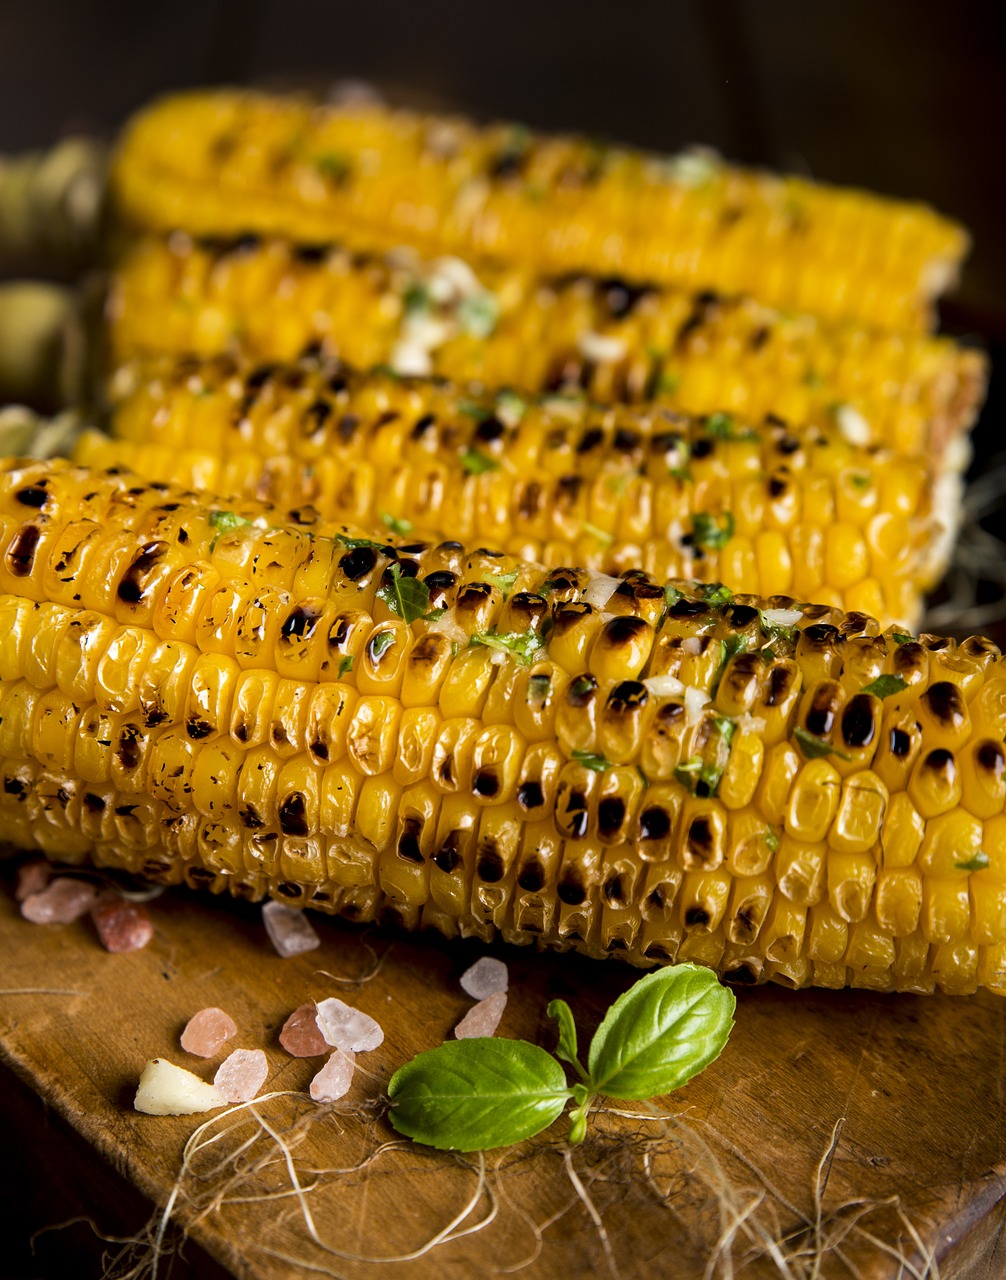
(868, 1128)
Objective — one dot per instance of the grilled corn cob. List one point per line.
(700, 353)
(767, 510)
(227, 162)
(431, 736)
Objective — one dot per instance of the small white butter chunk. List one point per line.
(167, 1090)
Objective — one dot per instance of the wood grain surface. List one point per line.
(862, 1128)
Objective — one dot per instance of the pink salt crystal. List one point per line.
(482, 1019)
(62, 901)
(300, 1035)
(122, 926)
(290, 932)
(486, 977)
(207, 1031)
(333, 1080)
(32, 877)
(347, 1028)
(240, 1076)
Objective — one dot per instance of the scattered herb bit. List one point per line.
(777, 631)
(978, 863)
(729, 648)
(900, 637)
(723, 427)
(668, 382)
(476, 463)
(471, 409)
(538, 689)
(333, 166)
(387, 371)
(771, 840)
(715, 593)
(813, 748)
(353, 543)
(813, 379)
(510, 407)
(885, 686)
(581, 686)
(408, 597)
(472, 1095)
(711, 532)
(859, 481)
(599, 534)
(590, 760)
(671, 595)
(617, 485)
(416, 297)
(682, 474)
(479, 314)
(227, 521)
(525, 646)
(702, 775)
(345, 666)
(381, 643)
(396, 524)
(505, 581)
(434, 615)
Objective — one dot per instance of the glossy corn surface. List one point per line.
(271, 300)
(228, 162)
(241, 700)
(768, 510)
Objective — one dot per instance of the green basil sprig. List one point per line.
(472, 1095)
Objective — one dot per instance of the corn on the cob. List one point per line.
(231, 700)
(768, 510)
(700, 353)
(227, 162)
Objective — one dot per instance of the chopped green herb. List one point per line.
(333, 166)
(416, 297)
(381, 643)
(671, 595)
(590, 760)
(434, 615)
(408, 597)
(714, 593)
(813, 379)
(682, 474)
(505, 581)
(859, 481)
(476, 463)
(617, 485)
(353, 543)
(771, 839)
(900, 637)
(777, 631)
(723, 427)
(600, 534)
(885, 686)
(702, 775)
(387, 371)
(668, 382)
(581, 686)
(471, 409)
(510, 407)
(538, 689)
(478, 314)
(978, 863)
(710, 532)
(227, 521)
(525, 646)
(345, 666)
(813, 748)
(396, 524)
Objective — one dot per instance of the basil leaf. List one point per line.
(711, 533)
(524, 646)
(396, 524)
(885, 686)
(476, 463)
(978, 863)
(663, 1031)
(566, 1049)
(813, 748)
(471, 1095)
(408, 597)
(590, 760)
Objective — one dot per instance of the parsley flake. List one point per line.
(525, 646)
(407, 597)
(711, 532)
(397, 524)
(476, 463)
(345, 666)
(978, 863)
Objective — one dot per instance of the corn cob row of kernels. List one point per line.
(769, 510)
(228, 162)
(271, 300)
(244, 700)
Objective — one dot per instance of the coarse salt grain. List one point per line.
(62, 901)
(300, 1036)
(290, 931)
(347, 1028)
(482, 1019)
(242, 1074)
(122, 926)
(207, 1031)
(32, 877)
(333, 1080)
(486, 977)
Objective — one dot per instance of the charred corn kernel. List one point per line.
(616, 807)
(675, 519)
(227, 162)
